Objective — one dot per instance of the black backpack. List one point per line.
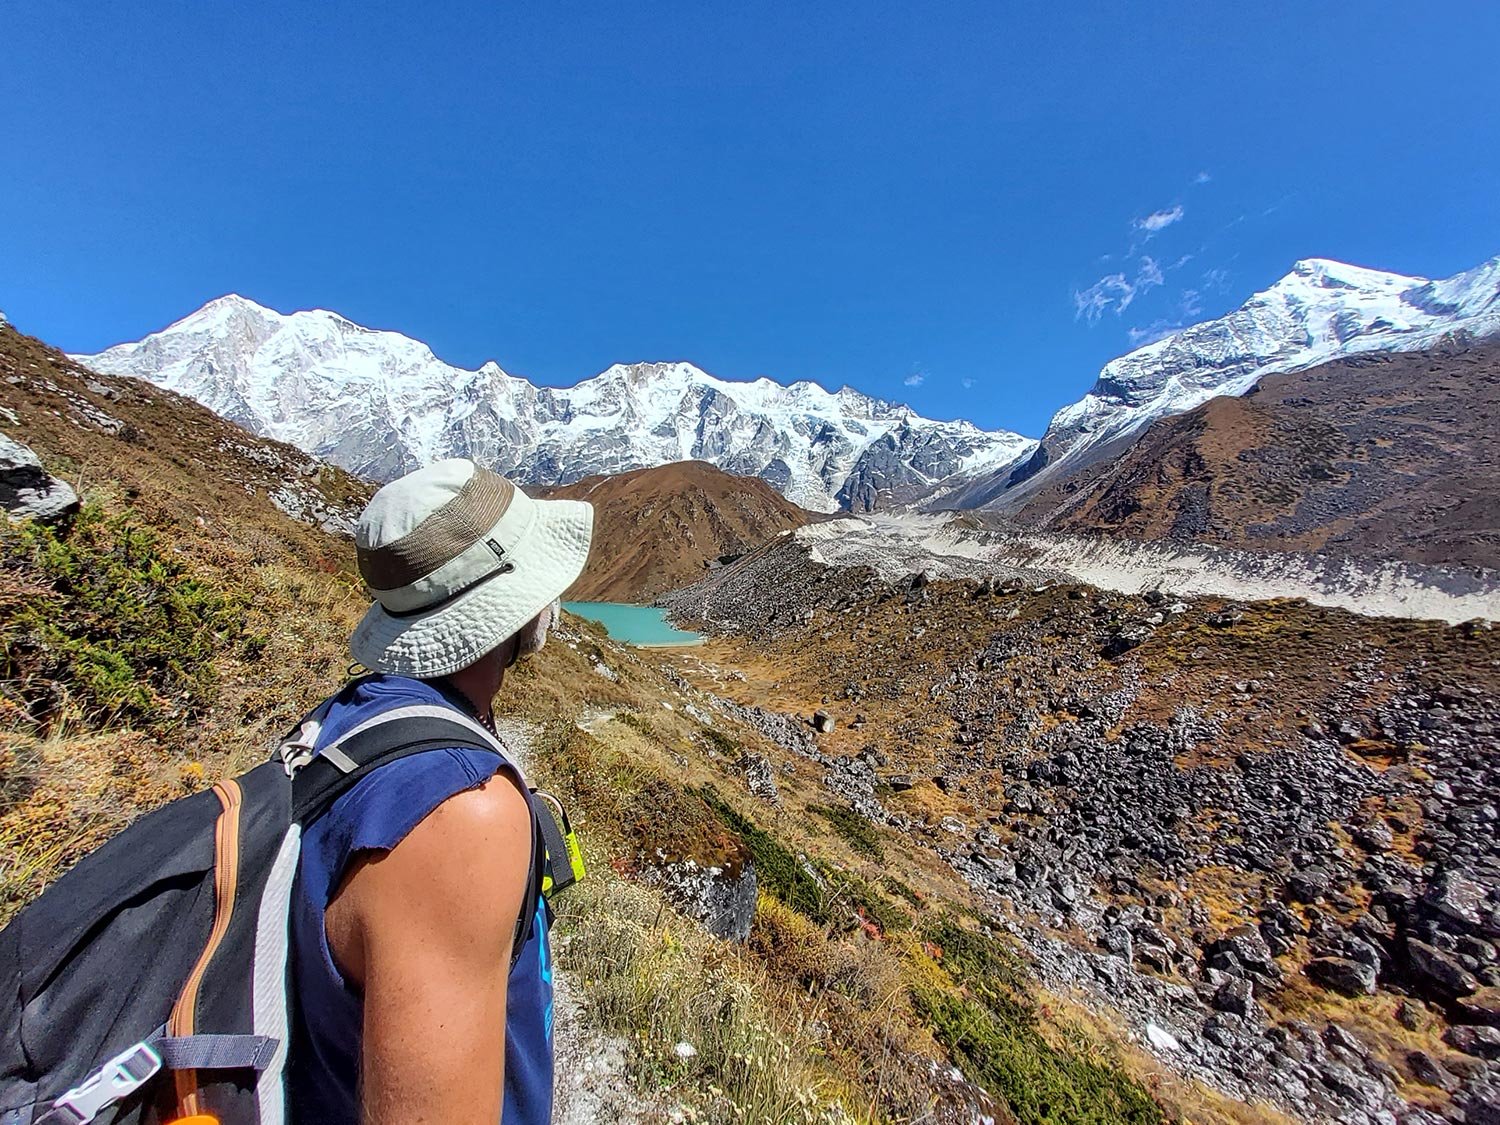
(149, 983)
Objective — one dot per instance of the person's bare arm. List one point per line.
(426, 930)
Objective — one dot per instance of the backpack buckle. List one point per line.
(123, 1075)
(300, 748)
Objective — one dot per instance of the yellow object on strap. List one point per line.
(559, 837)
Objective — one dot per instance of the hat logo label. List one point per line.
(506, 566)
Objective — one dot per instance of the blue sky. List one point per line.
(943, 203)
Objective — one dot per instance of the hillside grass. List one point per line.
(136, 670)
(104, 621)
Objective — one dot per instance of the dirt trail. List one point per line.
(591, 1084)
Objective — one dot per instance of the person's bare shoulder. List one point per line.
(435, 919)
(456, 881)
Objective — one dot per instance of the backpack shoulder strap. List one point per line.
(320, 777)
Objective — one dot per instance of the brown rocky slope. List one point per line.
(1377, 456)
(660, 528)
(1257, 837)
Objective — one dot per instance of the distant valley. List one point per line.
(1227, 806)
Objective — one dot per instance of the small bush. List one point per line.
(858, 832)
(868, 902)
(105, 615)
(1041, 1085)
(778, 871)
(902, 891)
(992, 1032)
(721, 742)
(978, 961)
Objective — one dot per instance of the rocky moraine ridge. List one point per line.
(1262, 833)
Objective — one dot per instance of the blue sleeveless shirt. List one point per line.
(375, 815)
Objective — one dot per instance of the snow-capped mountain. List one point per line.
(380, 404)
(1320, 311)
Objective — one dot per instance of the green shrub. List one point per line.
(982, 963)
(992, 1033)
(779, 872)
(1041, 1085)
(721, 742)
(902, 891)
(104, 615)
(858, 832)
(813, 888)
(870, 903)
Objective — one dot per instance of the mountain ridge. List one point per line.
(1375, 455)
(1319, 311)
(660, 528)
(380, 403)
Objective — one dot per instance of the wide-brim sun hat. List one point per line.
(458, 559)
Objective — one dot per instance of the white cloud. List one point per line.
(1216, 279)
(1112, 291)
(915, 379)
(1189, 304)
(1160, 220)
(967, 383)
(1202, 178)
(1148, 276)
(1156, 330)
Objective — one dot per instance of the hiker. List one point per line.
(410, 1001)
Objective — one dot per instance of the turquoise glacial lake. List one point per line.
(642, 625)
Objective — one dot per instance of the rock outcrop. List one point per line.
(27, 491)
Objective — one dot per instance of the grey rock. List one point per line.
(1244, 950)
(759, 778)
(1342, 1080)
(1226, 1030)
(1480, 1102)
(722, 901)
(1456, 897)
(27, 491)
(1439, 972)
(1425, 1068)
(1341, 1039)
(1411, 1015)
(1235, 995)
(1481, 1007)
(1483, 1042)
(1375, 836)
(1118, 941)
(1312, 885)
(1351, 978)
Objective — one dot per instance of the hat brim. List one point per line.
(457, 633)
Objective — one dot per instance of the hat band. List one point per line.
(503, 567)
(442, 537)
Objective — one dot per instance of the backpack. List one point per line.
(149, 983)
